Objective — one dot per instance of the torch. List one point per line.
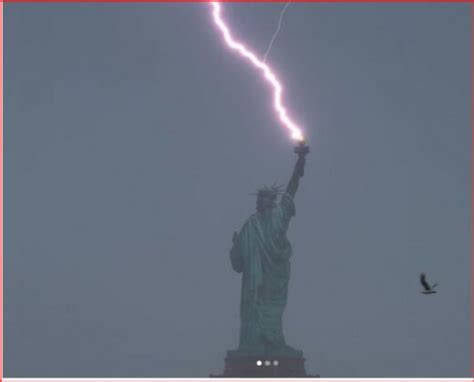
(301, 149)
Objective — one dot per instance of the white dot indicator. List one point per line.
(259, 363)
(275, 363)
(267, 363)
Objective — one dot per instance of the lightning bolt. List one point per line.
(277, 31)
(270, 77)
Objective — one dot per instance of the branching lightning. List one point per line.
(277, 31)
(270, 77)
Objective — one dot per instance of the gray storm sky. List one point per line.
(133, 139)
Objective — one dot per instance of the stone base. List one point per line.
(264, 367)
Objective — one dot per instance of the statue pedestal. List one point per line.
(264, 367)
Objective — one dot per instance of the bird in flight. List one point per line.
(428, 289)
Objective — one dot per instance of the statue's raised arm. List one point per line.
(302, 149)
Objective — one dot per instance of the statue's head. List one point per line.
(266, 197)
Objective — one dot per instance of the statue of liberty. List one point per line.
(261, 253)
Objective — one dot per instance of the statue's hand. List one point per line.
(235, 238)
(300, 166)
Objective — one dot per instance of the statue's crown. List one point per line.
(271, 192)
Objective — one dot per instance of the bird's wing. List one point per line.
(433, 286)
(423, 282)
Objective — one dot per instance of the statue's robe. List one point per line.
(261, 253)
